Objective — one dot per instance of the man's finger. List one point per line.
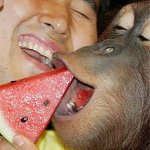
(1, 3)
(4, 145)
(21, 143)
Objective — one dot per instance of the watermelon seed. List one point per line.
(12, 81)
(46, 103)
(24, 119)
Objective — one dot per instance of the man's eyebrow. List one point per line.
(92, 4)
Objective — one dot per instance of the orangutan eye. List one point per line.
(125, 20)
(142, 38)
(145, 41)
(109, 50)
(119, 29)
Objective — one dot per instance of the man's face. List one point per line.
(31, 30)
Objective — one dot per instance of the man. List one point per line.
(31, 30)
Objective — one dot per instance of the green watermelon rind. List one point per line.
(5, 129)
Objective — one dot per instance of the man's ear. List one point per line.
(1, 3)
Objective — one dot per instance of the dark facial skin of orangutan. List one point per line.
(117, 116)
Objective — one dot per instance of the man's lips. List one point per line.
(38, 49)
(78, 94)
(40, 41)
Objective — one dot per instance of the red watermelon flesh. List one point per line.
(83, 97)
(27, 105)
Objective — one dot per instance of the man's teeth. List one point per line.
(36, 47)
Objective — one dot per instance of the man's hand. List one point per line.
(20, 142)
(1, 3)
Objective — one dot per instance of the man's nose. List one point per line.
(57, 24)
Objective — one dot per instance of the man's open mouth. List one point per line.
(36, 49)
(77, 95)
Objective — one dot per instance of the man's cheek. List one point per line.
(1, 3)
(82, 40)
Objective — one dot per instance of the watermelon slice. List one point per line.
(27, 105)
